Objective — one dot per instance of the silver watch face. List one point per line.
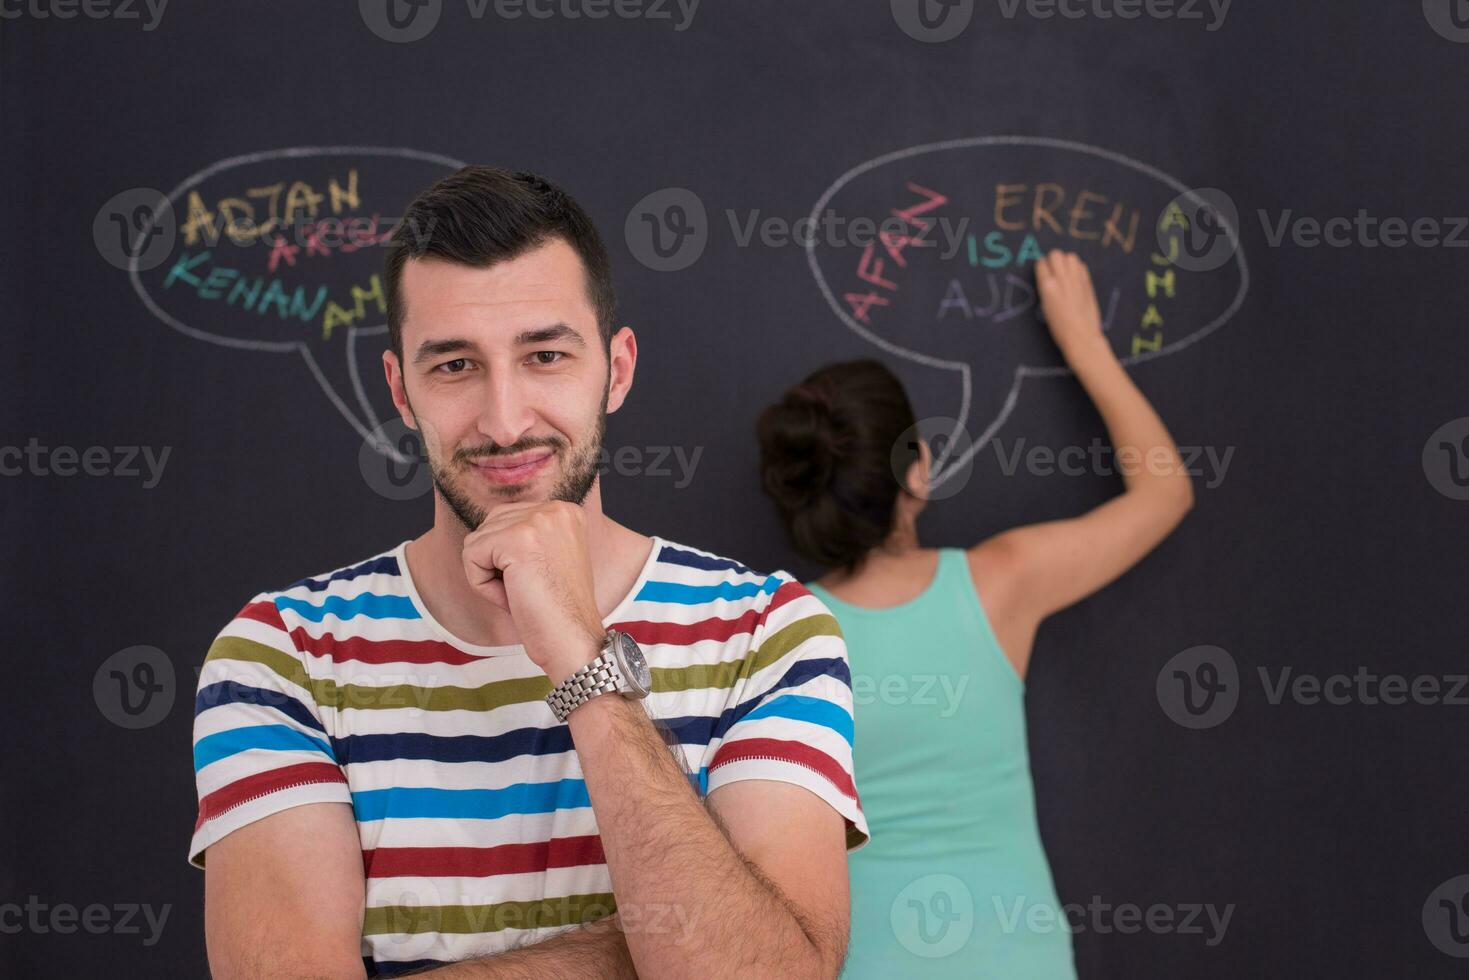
(634, 665)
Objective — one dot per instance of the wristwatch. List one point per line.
(620, 667)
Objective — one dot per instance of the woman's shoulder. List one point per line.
(992, 569)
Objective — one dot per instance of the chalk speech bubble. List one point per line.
(941, 273)
(334, 205)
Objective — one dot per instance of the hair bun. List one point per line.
(801, 457)
(827, 459)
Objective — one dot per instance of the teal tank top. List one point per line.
(954, 882)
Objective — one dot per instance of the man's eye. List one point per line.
(547, 356)
(455, 366)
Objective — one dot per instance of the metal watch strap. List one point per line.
(601, 676)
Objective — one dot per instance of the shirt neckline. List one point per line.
(400, 554)
(826, 595)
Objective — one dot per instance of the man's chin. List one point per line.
(472, 498)
(484, 493)
(474, 494)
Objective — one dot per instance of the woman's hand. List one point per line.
(1069, 301)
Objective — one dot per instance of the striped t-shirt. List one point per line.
(477, 832)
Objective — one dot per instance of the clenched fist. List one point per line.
(531, 559)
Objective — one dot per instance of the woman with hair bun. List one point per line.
(954, 881)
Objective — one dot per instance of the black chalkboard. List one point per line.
(181, 436)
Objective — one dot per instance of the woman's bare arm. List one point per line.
(1038, 569)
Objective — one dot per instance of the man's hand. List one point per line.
(531, 559)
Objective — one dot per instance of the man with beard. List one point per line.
(531, 741)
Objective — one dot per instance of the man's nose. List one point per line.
(505, 415)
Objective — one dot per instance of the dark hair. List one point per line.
(831, 459)
(478, 216)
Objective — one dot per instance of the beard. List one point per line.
(578, 465)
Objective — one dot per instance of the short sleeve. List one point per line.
(259, 743)
(792, 720)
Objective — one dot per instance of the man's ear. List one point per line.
(622, 356)
(393, 370)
